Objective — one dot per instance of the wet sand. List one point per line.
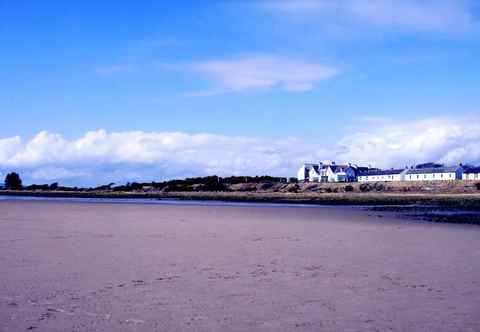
(131, 267)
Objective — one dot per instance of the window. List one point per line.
(424, 176)
(418, 176)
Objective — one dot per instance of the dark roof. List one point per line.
(472, 170)
(338, 168)
(429, 165)
(309, 165)
(359, 170)
(362, 169)
(448, 169)
(381, 172)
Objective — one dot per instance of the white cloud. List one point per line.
(440, 139)
(99, 156)
(419, 15)
(9, 146)
(262, 72)
(102, 157)
(49, 173)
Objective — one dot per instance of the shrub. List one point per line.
(293, 188)
(348, 188)
(379, 187)
(265, 186)
(365, 187)
(477, 185)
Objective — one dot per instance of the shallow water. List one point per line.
(458, 215)
(156, 201)
(70, 266)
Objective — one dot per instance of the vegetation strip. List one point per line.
(451, 201)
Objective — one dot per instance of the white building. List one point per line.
(308, 172)
(331, 172)
(378, 175)
(434, 173)
(326, 173)
(340, 173)
(472, 173)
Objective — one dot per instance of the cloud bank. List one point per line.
(416, 15)
(262, 72)
(101, 157)
(441, 139)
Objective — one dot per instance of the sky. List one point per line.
(93, 92)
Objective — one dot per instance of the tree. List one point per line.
(13, 181)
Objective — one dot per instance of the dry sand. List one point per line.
(132, 267)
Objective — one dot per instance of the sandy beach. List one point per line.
(69, 266)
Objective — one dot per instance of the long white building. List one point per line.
(442, 173)
(472, 173)
(376, 175)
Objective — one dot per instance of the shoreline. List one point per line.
(451, 201)
(431, 211)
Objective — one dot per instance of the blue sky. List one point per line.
(268, 72)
